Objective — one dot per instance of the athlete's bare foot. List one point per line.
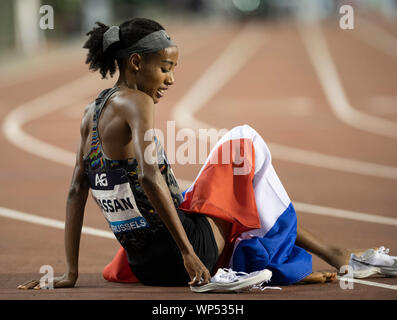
(320, 277)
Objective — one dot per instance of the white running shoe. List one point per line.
(373, 262)
(229, 280)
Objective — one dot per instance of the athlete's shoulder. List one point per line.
(132, 100)
(87, 117)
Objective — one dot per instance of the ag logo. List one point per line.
(101, 180)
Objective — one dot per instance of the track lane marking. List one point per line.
(368, 283)
(344, 214)
(40, 106)
(53, 223)
(320, 57)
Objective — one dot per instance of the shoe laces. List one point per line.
(385, 252)
(260, 287)
(228, 275)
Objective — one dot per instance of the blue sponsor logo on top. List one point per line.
(128, 225)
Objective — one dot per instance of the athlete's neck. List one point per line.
(126, 79)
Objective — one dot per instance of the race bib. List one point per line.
(112, 192)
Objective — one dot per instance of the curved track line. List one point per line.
(36, 108)
(316, 47)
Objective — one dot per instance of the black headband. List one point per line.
(153, 42)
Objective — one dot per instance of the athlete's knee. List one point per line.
(261, 149)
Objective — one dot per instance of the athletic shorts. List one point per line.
(166, 268)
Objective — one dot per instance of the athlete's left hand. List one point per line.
(63, 281)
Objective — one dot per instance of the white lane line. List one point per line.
(311, 158)
(36, 108)
(53, 223)
(324, 66)
(344, 214)
(376, 36)
(369, 283)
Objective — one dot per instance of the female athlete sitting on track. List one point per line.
(243, 220)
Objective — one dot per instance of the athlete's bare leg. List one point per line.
(333, 255)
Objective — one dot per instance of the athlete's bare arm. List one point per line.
(75, 205)
(139, 113)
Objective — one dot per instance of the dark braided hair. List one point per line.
(130, 32)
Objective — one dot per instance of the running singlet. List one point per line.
(115, 188)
